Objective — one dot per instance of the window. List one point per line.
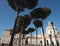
(41, 43)
(47, 42)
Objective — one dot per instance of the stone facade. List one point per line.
(6, 38)
(51, 36)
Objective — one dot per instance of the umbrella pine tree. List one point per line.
(40, 14)
(18, 6)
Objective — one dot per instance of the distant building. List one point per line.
(51, 37)
(6, 37)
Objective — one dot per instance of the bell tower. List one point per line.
(50, 30)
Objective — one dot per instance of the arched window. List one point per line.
(57, 42)
(41, 43)
(52, 43)
(47, 43)
(26, 41)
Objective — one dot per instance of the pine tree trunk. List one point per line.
(13, 32)
(43, 37)
(31, 39)
(21, 35)
(36, 36)
(19, 39)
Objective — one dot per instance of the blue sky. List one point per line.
(7, 15)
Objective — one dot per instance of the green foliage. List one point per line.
(22, 4)
(19, 24)
(37, 23)
(27, 20)
(22, 21)
(30, 4)
(41, 13)
(11, 30)
(31, 30)
(25, 32)
(13, 5)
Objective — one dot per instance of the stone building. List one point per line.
(5, 38)
(52, 37)
(4, 41)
